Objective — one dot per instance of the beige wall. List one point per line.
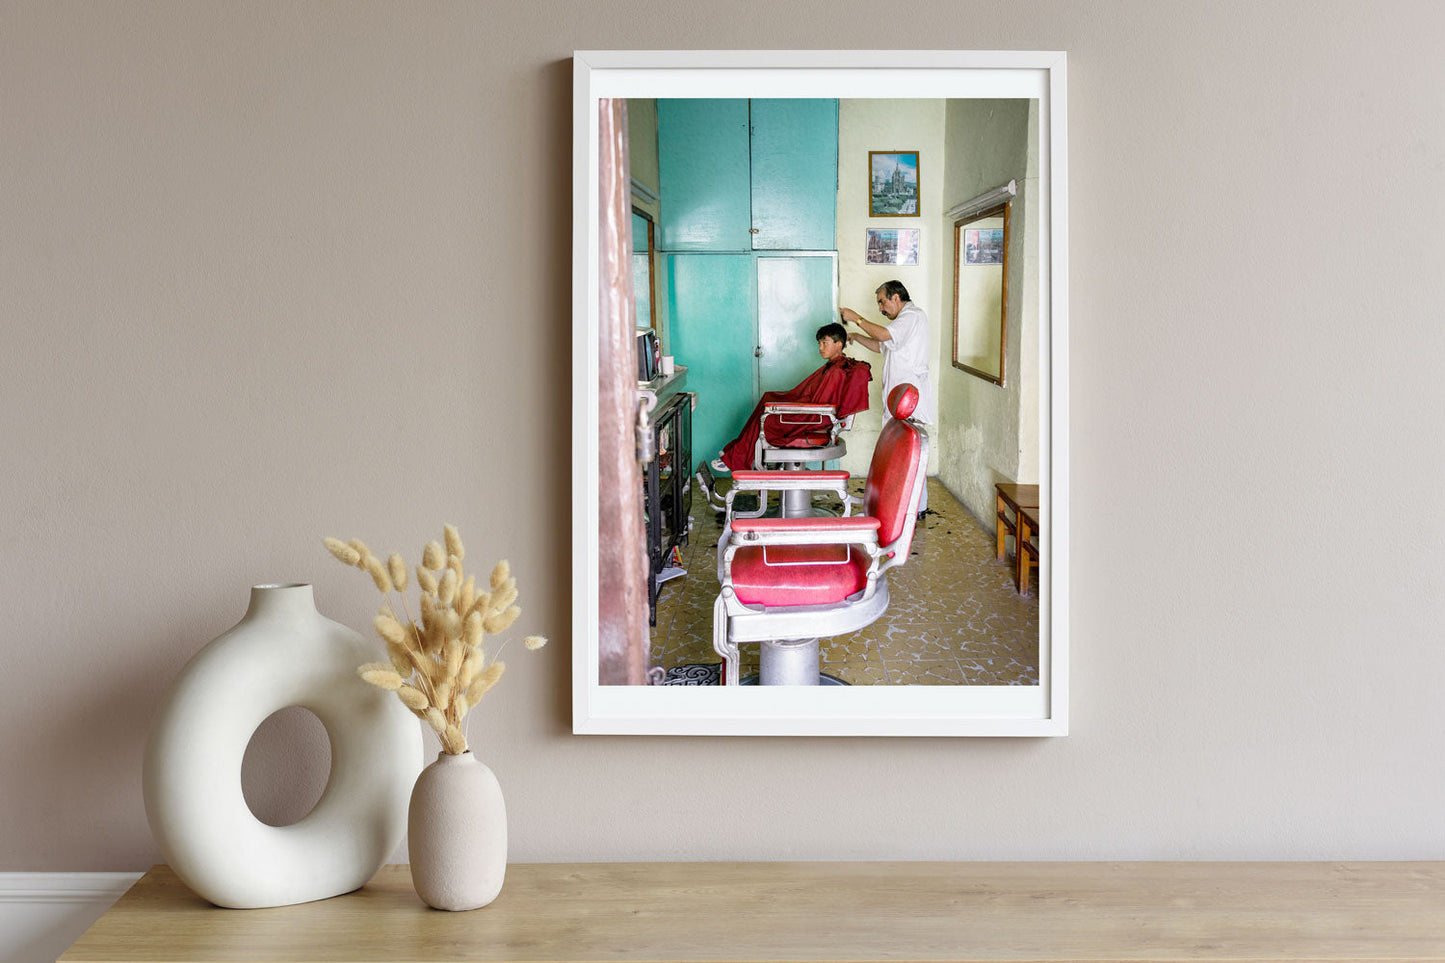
(271, 271)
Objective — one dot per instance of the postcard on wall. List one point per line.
(892, 247)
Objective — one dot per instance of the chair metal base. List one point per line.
(793, 662)
(823, 679)
(799, 504)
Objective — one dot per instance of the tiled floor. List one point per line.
(953, 616)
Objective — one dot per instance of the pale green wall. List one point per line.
(987, 433)
(642, 159)
(865, 125)
(642, 148)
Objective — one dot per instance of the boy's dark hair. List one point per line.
(891, 288)
(833, 330)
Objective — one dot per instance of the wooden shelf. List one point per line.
(816, 911)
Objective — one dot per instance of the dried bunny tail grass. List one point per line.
(501, 573)
(433, 558)
(471, 665)
(454, 542)
(485, 681)
(436, 720)
(472, 630)
(534, 642)
(360, 547)
(455, 652)
(447, 591)
(453, 742)
(426, 666)
(381, 675)
(467, 596)
(399, 659)
(389, 629)
(413, 698)
(504, 597)
(430, 622)
(378, 573)
(344, 553)
(459, 703)
(482, 603)
(451, 624)
(444, 694)
(436, 637)
(426, 580)
(499, 622)
(396, 568)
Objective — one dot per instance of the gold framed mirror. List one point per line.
(980, 293)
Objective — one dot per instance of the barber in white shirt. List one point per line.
(903, 342)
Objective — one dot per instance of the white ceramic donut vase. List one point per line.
(282, 653)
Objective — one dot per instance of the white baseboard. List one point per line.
(41, 914)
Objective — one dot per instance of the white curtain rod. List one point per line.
(984, 201)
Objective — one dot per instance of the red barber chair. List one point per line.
(788, 581)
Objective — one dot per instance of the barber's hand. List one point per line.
(848, 314)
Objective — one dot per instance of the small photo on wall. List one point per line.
(893, 183)
(983, 246)
(892, 246)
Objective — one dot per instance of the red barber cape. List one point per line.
(842, 383)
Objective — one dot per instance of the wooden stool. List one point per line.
(1026, 553)
(1013, 500)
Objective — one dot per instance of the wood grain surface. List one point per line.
(817, 911)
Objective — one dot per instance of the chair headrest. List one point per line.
(902, 400)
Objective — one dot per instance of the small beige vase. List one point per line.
(457, 834)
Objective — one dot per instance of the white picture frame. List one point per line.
(1041, 710)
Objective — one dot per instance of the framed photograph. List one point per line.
(891, 247)
(893, 183)
(655, 600)
(983, 246)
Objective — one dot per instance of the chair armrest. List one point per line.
(752, 480)
(849, 530)
(834, 526)
(800, 408)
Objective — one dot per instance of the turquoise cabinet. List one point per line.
(794, 175)
(748, 175)
(703, 175)
(747, 233)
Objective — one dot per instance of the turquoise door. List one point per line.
(711, 304)
(795, 299)
(794, 175)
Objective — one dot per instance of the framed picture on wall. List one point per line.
(893, 183)
(991, 659)
(983, 246)
(886, 246)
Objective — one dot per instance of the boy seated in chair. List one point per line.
(841, 382)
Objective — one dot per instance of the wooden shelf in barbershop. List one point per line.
(844, 911)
